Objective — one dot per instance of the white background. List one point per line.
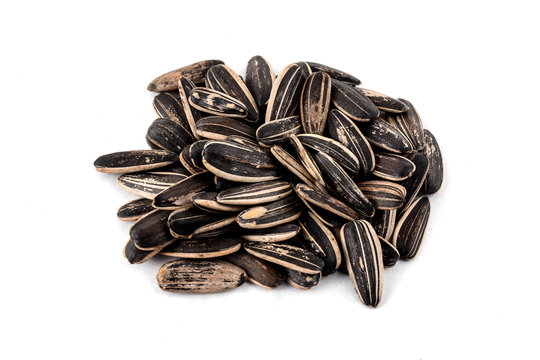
(73, 87)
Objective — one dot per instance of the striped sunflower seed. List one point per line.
(247, 142)
(191, 157)
(411, 228)
(409, 124)
(307, 160)
(214, 229)
(306, 69)
(384, 222)
(199, 276)
(432, 152)
(137, 256)
(185, 86)
(343, 187)
(255, 194)
(414, 183)
(285, 94)
(239, 163)
(169, 135)
(384, 102)
(278, 131)
(207, 201)
(393, 167)
(302, 280)
(381, 134)
(151, 231)
(384, 195)
(259, 272)
(216, 103)
(134, 209)
(290, 257)
(326, 202)
(334, 73)
(205, 248)
(183, 221)
(134, 161)
(168, 106)
(274, 234)
(337, 151)
(224, 79)
(363, 254)
(180, 193)
(292, 165)
(194, 72)
(315, 103)
(259, 79)
(352, 102)
(219, 127)
(326, 217)
(344, 130)
(148, 184)
(389, 252)
(272, 214)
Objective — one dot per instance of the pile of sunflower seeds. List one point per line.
(276, 178)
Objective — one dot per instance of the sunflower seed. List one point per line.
(191, 157)
(306, 69)
(194, 72)
(216, 103)
(177, 168)
(435, 175)
(363, 254)
(411, 228)
(199, 276)
(137, 256)
(203, 248)
(285, 94)
(384, 195)
(208, 201)
(384, 222)
(224, 79)
(278, 131)
(307, 160)
(393, 167)
(169, 135)
(291, 164)
(344, 130)
(215, 228)
(258, 271)
(315, 103)
(352, 102)
(254, 194)
(384, 102)
(381, 134)
(219, 127)
(259, 79)
(237, 162)
(151, 231)
(326, 202)
(148, 184)
(274, 234)
(414, 183)
(290, 257)
(151, 145)
(326, 217)
(247, 142)
(333, 148)
(180, 193)
(334, 73)
(186, 219)
(134, 209)
(409, 124)
(192, 115)
(270, 215)
(302, 280)
(342, 186)
(168, 106)
(389, 253)
(134, 161)
(320, 240)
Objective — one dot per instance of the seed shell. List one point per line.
(409, 124)
(326, 217)
(259, 79)
(258, 271)
(199, 276)
(180, 193)
(393, 167)
(291, 164)
(341, 128)
(285, 94)
(274, 234)
(334, 73)
(352, 102)
(148, 184)
(191, 157)
(306, 69)
(137, 256)
(202, 248)
(389, 252)
(216, 228)
(134, 209)
(254, 194)
(168, 106)
(384, 102)
(219, 127)
(384, 195)
(326, 202)
(239, 163)
(208, 201)
(432, 152)
(216, 103)
(339, 152)
(194, 72)
(185, 86)
(414, 183)
(384, 222)
(151, 231)
(411, 228)
(307, 160)
(290, 257)
(381, 134)
(302, 281)
(134, 161)
(363, 254)
(269, 215)
(278, 131)
(315, 102)
(186, 219)
(169, 135)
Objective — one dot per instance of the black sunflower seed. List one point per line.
(352, 102)
(151, 231)
(258, 271)
(278, 131)
(389, 252)
(285, 94)
(414, 183)
(254, 194)
(214, 229)
(180, 193)
(186, 219)
(306, 69)
(302, 280)
(192, 115)
(274, 234)
(148, 184)
(393, 167)
(194, 72)
(411, 228)
(169, 135)
(191, 157)
(290, 257)
(134, 161)
(337, 151)
(315, 102)
(138, 256)
(134, 209)
(409, 124)
(381, 134)
(307, 160)
(216, 103)
(384, 102)
(291, 164)
(435, 174)
(384, 222)
(203, 248)
(271, 214)
(259, 79)
(219, 127)
(334, 73)
(168, 106)
(326, 202)
(208, 201)
(384, 195)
